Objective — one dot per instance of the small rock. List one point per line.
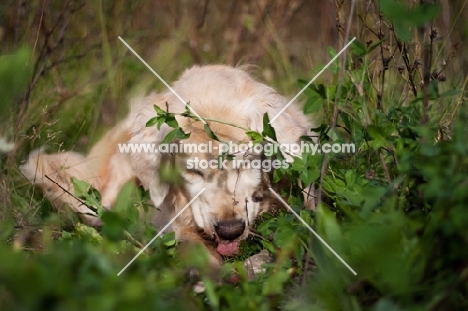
(254, 263)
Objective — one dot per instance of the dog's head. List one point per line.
(233, 195)
(230, 190)
(225, 192)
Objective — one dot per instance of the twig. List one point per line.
(223, 122)
(135, 241)
(427, 56)
(338, 24)
(385, 63)
(71, 58)
(385, 168)
(38, 31)
(203, 15)
(69, 193)
(409, 67)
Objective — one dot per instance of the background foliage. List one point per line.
(395, 210)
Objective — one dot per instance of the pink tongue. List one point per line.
(228, 248)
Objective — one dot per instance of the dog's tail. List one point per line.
(104, 168)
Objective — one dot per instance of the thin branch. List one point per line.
(385, 168)
(69, 193)
(385, 63)
(71, 58)
(409, 68)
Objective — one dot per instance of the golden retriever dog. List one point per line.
(233, 196)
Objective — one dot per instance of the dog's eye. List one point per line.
(193, 176)
(257, 196)
(196, 173)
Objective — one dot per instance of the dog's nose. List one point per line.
(230, 229)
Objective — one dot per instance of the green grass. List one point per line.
(395, 210)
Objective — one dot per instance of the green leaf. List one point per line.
(170, 136)
(124, 202)
(305, 215)
(209, 132)
(433, 90)
(153, 121)
(379, 134)
(335, 65)
(269, 246)
(320, 89)
(309, 176)
(314, 89)
(374, 46)
(346, 119)
(274, 284)
(313, 105)
(181, 134)
(328, 227)
(350, 177)
(211, 293)
(160, 119)
(83, 190)
(268, 130)
(277, 175)
(285, 237)
(113, 225)
(331, 52)
(331, 91)
(187, 112)
(171, 120)
(158, 110)
(255, 136)
(358, 48)
(169, 239)
(88, 234)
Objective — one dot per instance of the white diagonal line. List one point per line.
(161, 231)
(162, 80)
(313, 79)
(312, 230)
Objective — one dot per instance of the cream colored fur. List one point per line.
(214, 92)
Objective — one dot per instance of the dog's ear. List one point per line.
(147, 162)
